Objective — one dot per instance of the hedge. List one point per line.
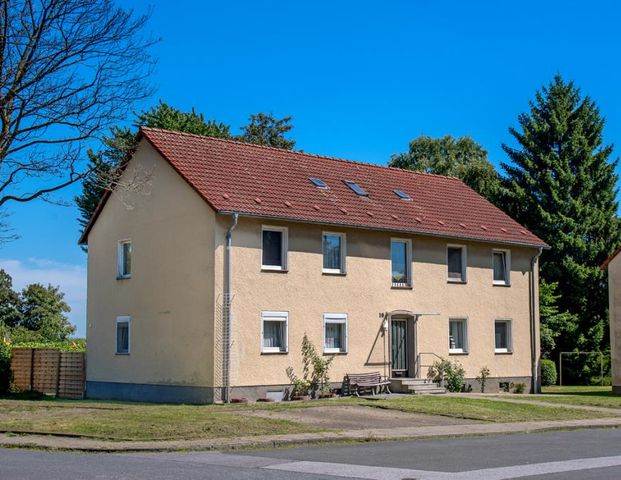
(548, 373)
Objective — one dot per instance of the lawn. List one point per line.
(578, 395)
(482, 409)
(122, 421)
(136, 421)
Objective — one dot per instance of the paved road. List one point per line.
(585, 454)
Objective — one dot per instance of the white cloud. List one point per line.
(70, 278)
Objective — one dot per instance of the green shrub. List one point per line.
(69, 345)
(548, 373)
(518, 388)
(482, 378)
(447, 374)
(5, 367)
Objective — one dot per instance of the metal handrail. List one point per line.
(419, 365)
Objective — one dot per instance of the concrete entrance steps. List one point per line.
(417, 386)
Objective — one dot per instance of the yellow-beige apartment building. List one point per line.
(202, 283)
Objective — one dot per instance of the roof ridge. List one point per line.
(315, 155)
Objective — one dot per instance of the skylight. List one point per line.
(358, 190)
(318, 182)
(402, 195)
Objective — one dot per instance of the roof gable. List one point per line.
(268, 182)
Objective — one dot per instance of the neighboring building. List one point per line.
(385, 268)
(613, 265)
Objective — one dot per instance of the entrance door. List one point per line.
(399, 350)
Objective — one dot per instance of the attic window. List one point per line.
(402, 195)
(318, 182)
(358, 190)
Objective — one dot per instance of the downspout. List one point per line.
(533, 324)
(226, 312)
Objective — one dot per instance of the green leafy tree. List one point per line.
(104, 164)
(265, 129)
(462, 158)
(561, 184)
(554, 322)
(9, 304)
(43, 312)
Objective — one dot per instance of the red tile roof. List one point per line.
(604, 265)
(274, 183)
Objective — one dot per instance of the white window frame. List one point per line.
(123, 319)
(408, 263)
(285, 247)
(509, 348)
(343, 268)
(274, 316)
(464, 263)
(120, 259)
(335, 318)
(466, 347)
(507, 254)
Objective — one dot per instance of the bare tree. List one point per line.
(69, 70)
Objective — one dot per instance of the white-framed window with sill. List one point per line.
(123, 335)
(274, 247)
(503, 336)
(401, 262)
(334, 252)
(457, 263)
(124, 259)
(501, 266)
(335, 333)
(274, 332)
(458, 335)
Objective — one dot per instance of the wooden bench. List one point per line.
(357, 383)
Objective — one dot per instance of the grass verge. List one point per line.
(136, 421)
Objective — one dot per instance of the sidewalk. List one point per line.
(404, 433)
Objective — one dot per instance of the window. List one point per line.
(274, 248)
(358, 190)
(122, 335)
(124, 259)
(501, 266)
(274, 332)
(333, 252)
(318, 182)
(335, 333)
(402, 195)
(502, 335)
(400, 255)
(458, 335)
(456, 260)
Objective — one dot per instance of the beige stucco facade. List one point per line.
(175, 297)
(614, 296)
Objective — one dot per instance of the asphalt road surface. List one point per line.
(583, 454)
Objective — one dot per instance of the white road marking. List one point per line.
(500, 473)
(345, 470)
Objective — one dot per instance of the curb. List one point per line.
(54, 443)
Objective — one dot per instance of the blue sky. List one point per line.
(360, 78)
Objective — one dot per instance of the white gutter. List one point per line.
(227, 314)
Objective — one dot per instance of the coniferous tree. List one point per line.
(105, 162)
(561, 184)
(265, 129)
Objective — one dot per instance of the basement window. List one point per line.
(357, 189)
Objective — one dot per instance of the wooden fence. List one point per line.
(49, 371)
